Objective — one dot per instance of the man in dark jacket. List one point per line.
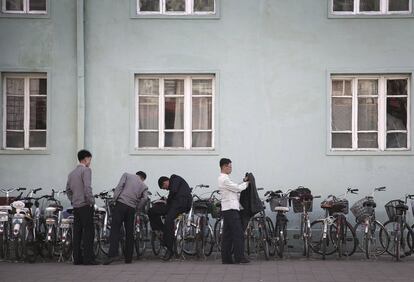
(178, 201)
(79, 192)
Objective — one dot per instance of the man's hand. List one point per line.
(246, 179)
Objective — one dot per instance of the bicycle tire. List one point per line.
(190, 241)
(199, 239)
(408, 240)
(218, 233)
(377, 232)
(317, 244)
(208, 241)
(271, 236)
(67, 246)
(279, 240)
(4, 243)
(179, 238)
(140, 239)
(324, 245)
(263, 239)
(155, 243)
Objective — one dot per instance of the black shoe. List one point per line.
(108, 261)
(94, 262)
(128, 261)
(243, 261)
(168, 255)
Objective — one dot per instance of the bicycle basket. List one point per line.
(215, 209)
(395, 208)
(335, 205)
(305, 196)
(201, 206)
(361, 210)
(278, 201)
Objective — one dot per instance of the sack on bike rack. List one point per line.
(216, 210)
(277, 202)
(361, 210)
(395, 208)
(201, 206)
(304, 194)
(335, 205)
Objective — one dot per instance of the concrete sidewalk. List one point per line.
(289, 270)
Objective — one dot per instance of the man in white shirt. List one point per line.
(233, 235)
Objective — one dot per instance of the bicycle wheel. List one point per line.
(104, 241)
(404, 244)
(199, 240)
(218, 233)
(50, 244)
(190, 239)
(319, 243)
(67, 246)
(19, 243)
(373, 243)
(4, 242)
(345, 242)
(262, 239)
(271, 236)
(140, 237)
(97, 241)
(252, 240)
(208, 240)
(179, 238)
(280, 236)
(156, 242)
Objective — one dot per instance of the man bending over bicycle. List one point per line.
(178, 201)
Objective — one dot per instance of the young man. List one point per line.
(233, 235)
(179, 201)
(130, 196)
(79, 192)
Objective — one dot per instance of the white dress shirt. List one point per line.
(230, 192)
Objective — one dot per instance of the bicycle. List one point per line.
(141, 234)
(368, 228)
(401, 243)
(340, 230)
(53, 216)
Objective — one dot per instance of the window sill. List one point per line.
(370, 16)
(172, 152)
(370, 153)
(215, 16)
(24, 15)
(24, 152)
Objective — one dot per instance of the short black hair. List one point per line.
(83, 154)
(224, 162)
(161, 180)
(142, 174)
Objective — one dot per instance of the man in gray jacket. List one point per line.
(79, 192)
(130, 196)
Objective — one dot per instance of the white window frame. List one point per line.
(26, 118)
(189, 9)
(26, 8)
(384, 4)
(382, 111)
(187, 112)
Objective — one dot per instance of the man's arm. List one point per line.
(234, 187)
(120, 186)
(144, 199)
(87, 182)
(69, 193)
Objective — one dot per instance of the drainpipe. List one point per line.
(80, 60)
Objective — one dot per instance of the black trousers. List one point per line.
(83, 235)
(156, 212)
(233, 237)
(122, 214)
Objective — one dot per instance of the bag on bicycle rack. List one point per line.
(304, 194)
(363, 208)
(395, 208)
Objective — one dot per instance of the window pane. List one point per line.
(175, 5)
(174, 139)
(399, 5)
(204, 5)
(37, 5)
(202, 87)
(38, 112)
(148, 113)
(14, 5)
(15, 86)
(396, 113)
(369, 5)
(15, 112)
(341, 88)
(341, 114)
(148, 87)
(37, 139)
(341, 140)
(38, 86)
(367, 140)
(397, 87)
(343, 5)
(148, 139)
(149, 5)
(174, 87)
(202, 113)
(14, 139)
(174, 113)
(367, 87)
(396, 140)
(202, 139)
(367, 113)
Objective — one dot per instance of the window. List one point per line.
(24, 6)
(176, 7)
(25, 111)
(370, 112)
(175, 112)
(373, 7)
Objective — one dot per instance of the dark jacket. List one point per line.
(179, 196)
(249, 198)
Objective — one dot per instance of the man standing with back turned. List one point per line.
(79, 192)
(233, 235)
